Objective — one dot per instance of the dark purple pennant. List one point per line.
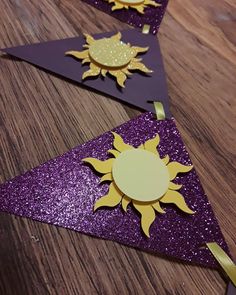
(139, 89)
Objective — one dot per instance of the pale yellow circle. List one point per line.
(141, 175)
(131, 2)
(111, 53)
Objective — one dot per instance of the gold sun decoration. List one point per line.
(139, 176)
(110, 55)
(139, 5)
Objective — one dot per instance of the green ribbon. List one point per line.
(160, 112)
(224, 260)
(146, 29)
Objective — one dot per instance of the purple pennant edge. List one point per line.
(231, 290)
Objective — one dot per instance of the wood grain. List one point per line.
(43, 116)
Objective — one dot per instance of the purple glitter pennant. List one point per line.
(152, 15)
(139, 89)
(64, 190)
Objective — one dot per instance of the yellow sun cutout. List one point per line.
(110, 55)
(139, 176)
(139, 5)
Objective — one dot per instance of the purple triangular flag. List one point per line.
(63, 192)
(139, 89)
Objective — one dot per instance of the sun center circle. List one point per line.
(141, 175)
(131, 2)
(111, 53)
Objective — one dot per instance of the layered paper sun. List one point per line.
(139, 5)
(138, 176)
(112, 56)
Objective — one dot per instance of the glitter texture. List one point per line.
(63, 191)
(152, 15)
(111, 53)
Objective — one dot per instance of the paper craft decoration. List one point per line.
(139, 176)
(138, 5)
(64, 190)
(139, 89)
(112, 56)
(136, 13)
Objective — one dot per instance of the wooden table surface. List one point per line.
(43, 116)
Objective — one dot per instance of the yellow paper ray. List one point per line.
(103, 72)
(100, 166)
(173, 186)
(151, 144)
(78, 54)
(174, 197)
(140, 49)
(125, 202)
(92, 72)
(136, 60)
(126, 71)
(166, 159)
(175, 168)
(112, 199)
(147, 216)
(224, 260)
(89, 39)
(120, 77)
(86, 60)
(106, 177)
(115, 153)
(117, 6)
(119, 143)
(139, 66)
(140, 9)
(116, 36)
(153, 3)
(158, 208)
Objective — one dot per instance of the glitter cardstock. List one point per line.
(136, 13)
(140, 87)
(64, 191)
